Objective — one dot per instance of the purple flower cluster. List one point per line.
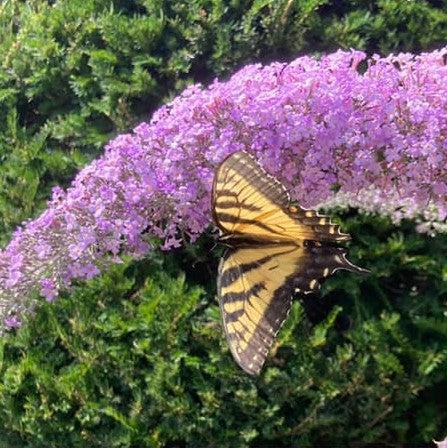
(441, 444)
(375, 131)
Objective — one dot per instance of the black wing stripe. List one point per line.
(230, 275)
(245, 165)
(226, 193)
(228, 218)
(230, 297)
(235, 315)
(230, 204)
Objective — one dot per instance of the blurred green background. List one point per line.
(137, 357)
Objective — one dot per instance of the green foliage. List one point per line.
(386, 26)
(137, 358)
(76, 72)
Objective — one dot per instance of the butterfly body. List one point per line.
(275, 249)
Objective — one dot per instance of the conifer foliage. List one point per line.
(136, 357)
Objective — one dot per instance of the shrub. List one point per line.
(73, 73)
(137, 358)
(378, 138)
(76, 72)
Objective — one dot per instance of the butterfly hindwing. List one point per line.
(252, 303)
(248, 201)
(255, 289)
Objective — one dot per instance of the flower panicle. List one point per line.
(334, 131)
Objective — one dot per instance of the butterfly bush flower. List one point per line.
(441, 444)
(341, 130)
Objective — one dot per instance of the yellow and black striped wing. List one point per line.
(255, 289)
(249, 202)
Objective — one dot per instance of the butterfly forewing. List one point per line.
(247, 201)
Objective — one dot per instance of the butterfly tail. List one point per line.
(322, 260)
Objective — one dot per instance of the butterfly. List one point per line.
(274, 250)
